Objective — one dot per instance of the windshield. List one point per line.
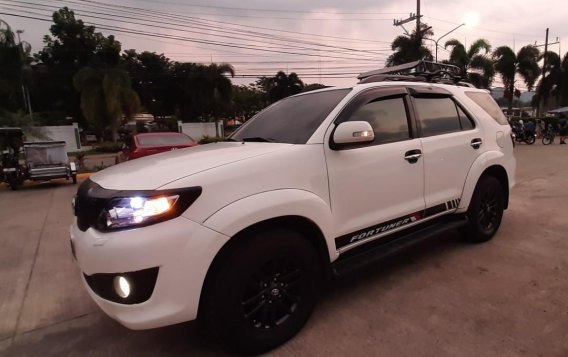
(164, 140)
(292, 120)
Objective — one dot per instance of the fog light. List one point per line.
(122, 286)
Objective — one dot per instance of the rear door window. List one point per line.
(437, 116)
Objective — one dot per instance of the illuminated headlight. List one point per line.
(134, 211)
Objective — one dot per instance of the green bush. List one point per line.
(210, 139)
(107, 148)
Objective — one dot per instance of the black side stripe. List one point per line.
(453, 204)
(430, 211)
(361, 234)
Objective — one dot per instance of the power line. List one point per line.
(271, 10)
(480, 28)
(130, 9)
(188, 39)
(203, 33)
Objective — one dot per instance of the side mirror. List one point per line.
(353, 132)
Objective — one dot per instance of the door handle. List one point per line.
(476, 143)
(412, 156)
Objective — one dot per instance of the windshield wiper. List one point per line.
(230, 139)
(258, 139)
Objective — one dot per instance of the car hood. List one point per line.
(152, 172)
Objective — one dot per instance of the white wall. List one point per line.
(67, 133)
(199, 130)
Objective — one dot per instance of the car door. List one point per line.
(450, 144)
(375, 188)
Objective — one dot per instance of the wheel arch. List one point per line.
(500, 174)
(303, 225)
(491, 163)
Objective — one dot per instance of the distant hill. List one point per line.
(525, 98)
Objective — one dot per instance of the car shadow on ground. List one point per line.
(97, 334)
(384, 269)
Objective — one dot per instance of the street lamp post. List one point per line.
(441, 37)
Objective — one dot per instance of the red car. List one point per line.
(139, 145)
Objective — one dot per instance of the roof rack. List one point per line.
(417, 71)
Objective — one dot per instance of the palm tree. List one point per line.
(106, 97)
(410, 48)
(562, 89)
(547, 92)
(473, 59)
(524, 63)
(283, 85)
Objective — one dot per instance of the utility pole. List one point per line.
(25, 92)
(542, 104)
(410, 18)
(401, 22)
(418, 18)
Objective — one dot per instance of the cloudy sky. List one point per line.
(323, 41)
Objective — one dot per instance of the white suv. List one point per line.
(242, 234)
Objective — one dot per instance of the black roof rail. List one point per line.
(417, 71)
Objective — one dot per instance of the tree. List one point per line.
(151, 78)
(71, 46)
(313, 86)
(106, 98)
(280, 86)
(247, 101)
(408, 48)
(524, 63)
(552, 89)
(203, 92)
(473, 59)
(14, 69)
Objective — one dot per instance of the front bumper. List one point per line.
(182, 250)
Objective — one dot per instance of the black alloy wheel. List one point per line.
(488, 214)
(261, 290)
(485, 211)
(272, 294)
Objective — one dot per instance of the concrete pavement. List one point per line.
(508, 297)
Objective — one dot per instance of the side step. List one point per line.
(351, 262)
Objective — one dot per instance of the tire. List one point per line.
(547, 140)
(530, 140)
(485, 211)
(13, 181)
(261, 293)
(13, 184)
(74, 177)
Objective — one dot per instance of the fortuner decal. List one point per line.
(354, 237)
(363, 234)
(383, 228)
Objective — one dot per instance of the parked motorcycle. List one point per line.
(520, 135)
(548, 136)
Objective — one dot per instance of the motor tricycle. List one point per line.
(36, 161)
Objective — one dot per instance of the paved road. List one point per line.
(508, 297)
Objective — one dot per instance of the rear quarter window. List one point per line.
(488, 104)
